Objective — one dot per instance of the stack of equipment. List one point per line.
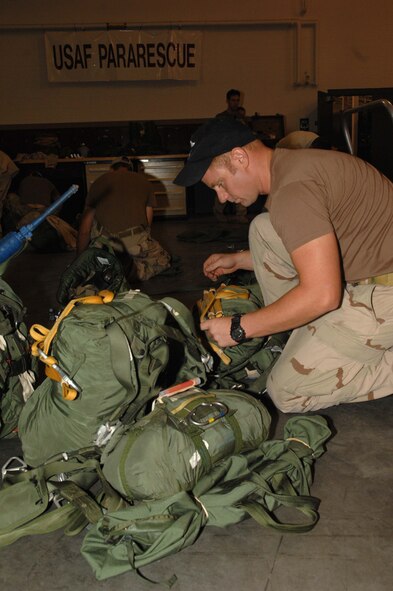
(106, 360)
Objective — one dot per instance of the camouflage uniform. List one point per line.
(344, 356)
(118, 198)
(149, 258)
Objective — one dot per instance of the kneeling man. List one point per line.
(323, 256)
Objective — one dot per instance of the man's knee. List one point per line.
(284, 396)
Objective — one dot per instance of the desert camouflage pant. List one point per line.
(148, 256)
(344, 356)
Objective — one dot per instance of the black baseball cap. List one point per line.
(216, 136)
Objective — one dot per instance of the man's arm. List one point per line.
(84, 231)
(319, 291)
(223, 264)
(149, 215)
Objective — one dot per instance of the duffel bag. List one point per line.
(185, 435)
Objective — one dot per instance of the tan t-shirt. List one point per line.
(315, 192)
(120, 200)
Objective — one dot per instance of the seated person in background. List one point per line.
(241, 115)
(34, 194)
(35, 189)
(52, 235)
(322, 255)
(7, 171)
(119, 206)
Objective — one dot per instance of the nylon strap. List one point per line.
(44, 336)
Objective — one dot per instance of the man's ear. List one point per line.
(239, 157)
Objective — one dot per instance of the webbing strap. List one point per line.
(305, 504)
(181, 314)
(121, 357)
(71, 492)
(230, 418)
(43, 336)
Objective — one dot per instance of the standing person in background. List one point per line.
(236, 111)
(120, 206)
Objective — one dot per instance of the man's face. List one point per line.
(234, 184)
(233, 103)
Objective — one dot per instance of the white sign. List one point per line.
(80, 56)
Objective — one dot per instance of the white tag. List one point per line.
(194, 460)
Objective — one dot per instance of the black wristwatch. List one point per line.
(237, 333)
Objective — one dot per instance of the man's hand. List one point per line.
(218, 330)
(224, 264)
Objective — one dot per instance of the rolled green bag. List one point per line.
(180, 441)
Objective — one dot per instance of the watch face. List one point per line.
(237, 332)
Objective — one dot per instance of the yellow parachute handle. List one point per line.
(210, 307)
(230, 292)
(43, 337)
(68, 393)
(223, 356)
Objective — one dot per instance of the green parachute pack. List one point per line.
(180, 441)
(248, 364)
(218, 468)
(16, 367)
(106, 358)
(259, 483)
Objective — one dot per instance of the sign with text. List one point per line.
(98, 56)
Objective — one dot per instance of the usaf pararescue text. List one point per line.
(120, 55)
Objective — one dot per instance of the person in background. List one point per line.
(236, 111)
(7, 172)
(233, 103)
(322, 255)
(241, 115)
(119, 207)
(36, 189)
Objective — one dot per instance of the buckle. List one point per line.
(21, 467)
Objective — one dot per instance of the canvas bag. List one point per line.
(186, 434)
(259, 483)
(119, 352)
(16, 366)
(47, 498)
(248, 364)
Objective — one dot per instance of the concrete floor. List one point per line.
(351, 547)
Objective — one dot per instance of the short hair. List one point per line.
(232, 92)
